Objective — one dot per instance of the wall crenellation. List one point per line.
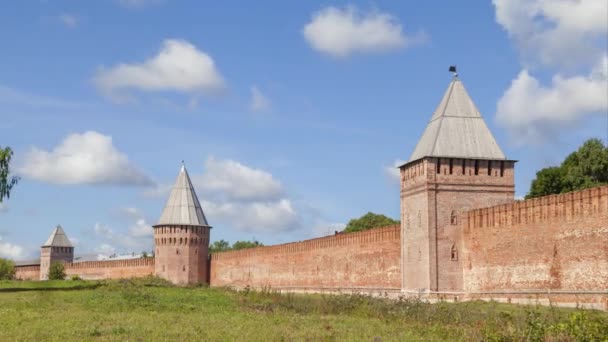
(561, 207)
(367, 236)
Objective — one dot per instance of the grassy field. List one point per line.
(150, 310)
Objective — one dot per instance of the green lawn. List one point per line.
(148, 309)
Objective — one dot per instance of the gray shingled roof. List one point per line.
(183, 206)
(58, 239)
(457, 130)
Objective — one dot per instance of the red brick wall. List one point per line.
(368, 259)
(111, 269)
(31, 272)
(182, 253)
(556, 242)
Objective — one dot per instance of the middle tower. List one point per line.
(456, 166)
(181, 236)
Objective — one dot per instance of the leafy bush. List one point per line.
(57, 271)
(369, 221)
(75, 278)
(7, 269)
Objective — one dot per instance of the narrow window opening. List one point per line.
(451, 165)
(476, 167)
(489, 168)
(453, 218)
(454, 253)
(502, 169)
(177, 251)
(438, 166)
(463, 166)
(184, 268)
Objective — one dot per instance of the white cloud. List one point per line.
(179, 66)
(88, 158)
(343, 32)
(259, 102)
(555, 32)
(257, 216)
(247, 198)
(234, 181)
(69, 20)
(11, 251)
(393, 172)
(530, 110)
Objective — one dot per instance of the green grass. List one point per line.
(150, 310)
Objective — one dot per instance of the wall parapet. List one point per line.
(111, 263)
(560, 207)
(370, 235)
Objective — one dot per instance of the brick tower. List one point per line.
(456, 166)
(181, 237)
(56, 248)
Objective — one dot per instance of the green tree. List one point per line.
(219, 246)
(369, 221)
(6, 181)
(57, 271)
(246, 244)
(584, 168)
(7, 269)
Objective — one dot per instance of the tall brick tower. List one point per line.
(181, 236)
(456, 166)
(56, 248)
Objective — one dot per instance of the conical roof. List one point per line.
(58, 239)
(183, 207)
(457, 130)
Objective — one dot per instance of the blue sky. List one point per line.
(289, 115)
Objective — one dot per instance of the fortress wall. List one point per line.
(29, 272)
(369, 259)
(111, 269)
(555, 243)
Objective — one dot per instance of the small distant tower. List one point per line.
(56, 248)
(456, 166)
(181, 237)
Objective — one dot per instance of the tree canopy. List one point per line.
(57, 271)
(368, 221)
(6, 180)
(223, 245)
(7, 269)
(584, 168)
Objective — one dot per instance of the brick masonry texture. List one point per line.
(368, 260)
(93, 270)
(557, 242)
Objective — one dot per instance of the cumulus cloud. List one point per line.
(530, 109)
(247, 198)
(69, 20)
(343, 32)
(566, 38)
(259, 102)
(555, 32)
(232, 180)
(255, 216)
(138, 235)
(88, 158)
(392, 172)
(179, 66)
(11, 251)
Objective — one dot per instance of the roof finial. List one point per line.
(453, 70)
(183, 166)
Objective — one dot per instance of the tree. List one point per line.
(57, 271)
(368, 221)
(144, 254)
(584, 168)
(219, 246)
(246, 244)
(7, 269)
(6, 181)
